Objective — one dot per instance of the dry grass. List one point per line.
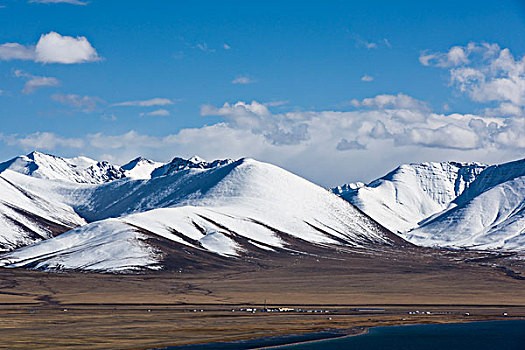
(152, 310)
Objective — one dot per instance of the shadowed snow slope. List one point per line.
(411, 193)
(229, 209)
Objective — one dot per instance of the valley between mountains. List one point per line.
(88, 245)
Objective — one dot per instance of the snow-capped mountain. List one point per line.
(467, 205)
(79, 170)
(411, 193)
(490, 214)
(229, 209)
(31, 210)
(140, 168)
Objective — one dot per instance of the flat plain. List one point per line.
(347, 290)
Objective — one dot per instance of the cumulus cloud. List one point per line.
(243, 80)
(279, 129)
(393, 129)
(35, 82)
(157, 101)
(83, 103)
(485, 73)
(71, 2)
(156, 113)
(55, 48)
(52, 48)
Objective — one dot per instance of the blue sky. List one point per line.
(335, 91)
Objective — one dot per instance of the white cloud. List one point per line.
(447, 136)
(279, 129)
(83, 103)
(55, 48)
(486, 74)
(157, 113)
(42, 140)
(15, 51)
(226, 46)
(455, 56)
(157, 101)
(35, 82)
(243, 80)
(367, 78)
(329, 147)
(71, 2)
(52, 48)
(399, 101)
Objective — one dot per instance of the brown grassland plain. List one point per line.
(354, 289)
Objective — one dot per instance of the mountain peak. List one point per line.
(196, 159)
(140, 168)
(411, 192)
(180, 164)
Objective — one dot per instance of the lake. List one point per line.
(500, 335)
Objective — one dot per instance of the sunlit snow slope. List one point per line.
(490, 214)
(411, 193)
(28, 216)
(224, 208)
(449, 204)
(79, 170)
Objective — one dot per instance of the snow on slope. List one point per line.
(140, 168)
(411, 193)
(108, 246)
(28, 216)
(490, 214)
(231, 209)
(79, 170)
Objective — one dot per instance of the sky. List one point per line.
(334, 91)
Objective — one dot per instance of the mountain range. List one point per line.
(187, 210)
(77, 213)
(448, 204)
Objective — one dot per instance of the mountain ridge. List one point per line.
(234, 209)
(484, 212)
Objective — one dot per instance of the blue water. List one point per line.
(499, 335)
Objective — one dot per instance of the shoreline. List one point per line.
(332, 334)
(360, 331)
(366, 330)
